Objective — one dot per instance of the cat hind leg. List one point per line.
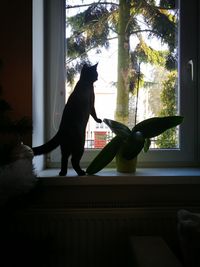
(64, 165)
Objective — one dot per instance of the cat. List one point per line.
(71, 132)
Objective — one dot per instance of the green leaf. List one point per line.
(157, 125)
(118, 128)
(132, 146)
(105, 156)
(147, 144)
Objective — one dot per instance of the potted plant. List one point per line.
(12, 132)
(16, 171)
(128, 143)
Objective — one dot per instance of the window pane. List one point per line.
(92, 31)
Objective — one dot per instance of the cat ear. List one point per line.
(85, 66)
(94, 66)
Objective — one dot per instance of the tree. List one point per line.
(168, 98)
(103, 20)
(122, 107)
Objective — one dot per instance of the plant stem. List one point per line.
(137, 94)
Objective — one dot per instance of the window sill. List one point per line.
(111, 177)
(148, 187)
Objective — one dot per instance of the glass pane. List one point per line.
(138, 75)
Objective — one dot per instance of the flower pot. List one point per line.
(22, 151)
(125, 166)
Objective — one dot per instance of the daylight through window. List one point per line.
(145, 63)
(136, 46)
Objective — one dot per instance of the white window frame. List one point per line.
(189, 152)
(38, 80)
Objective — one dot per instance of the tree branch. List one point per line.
(147, 30)
(110, 28)
(84, 53)
(112, 38)
(97, 3)
(165, 8)
(93, 47)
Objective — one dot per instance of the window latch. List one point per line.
(191, 64)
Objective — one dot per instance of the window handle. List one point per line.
(191, 64)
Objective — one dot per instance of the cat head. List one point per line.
(89, 73)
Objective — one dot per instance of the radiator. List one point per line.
(89, 237)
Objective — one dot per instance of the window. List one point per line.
(151, 53)
(188, 148)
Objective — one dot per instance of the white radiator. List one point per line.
(91, 237)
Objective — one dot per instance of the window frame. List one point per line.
(189, 152)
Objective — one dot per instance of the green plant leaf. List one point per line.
(147, 144)
(155, 126)
(118, 128)
(132, 146)
(105, 156)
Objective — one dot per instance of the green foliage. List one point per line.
(168, 99)
(170, 4)
(147, 54)
(163, 22)
(118, 128)
(105, 156)
(102, 21)
(171, 61)
(147, 144)
(168, 139)
(92, 28)
(168, 96)
(155, 126)
(132, 145)
(129, 143)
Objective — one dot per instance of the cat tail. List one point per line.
(47, 147)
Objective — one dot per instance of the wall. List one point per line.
(89, 221)
(16, 54)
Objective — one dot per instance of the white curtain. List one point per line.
(48, 72)
(54, 69)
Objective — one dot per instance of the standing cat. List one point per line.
(71, 133)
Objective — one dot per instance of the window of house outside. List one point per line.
(159, 55)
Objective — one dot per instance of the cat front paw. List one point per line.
(62, 173)
(81, 173)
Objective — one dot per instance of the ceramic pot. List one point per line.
(125, 166)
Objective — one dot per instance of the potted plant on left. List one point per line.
(16, 172)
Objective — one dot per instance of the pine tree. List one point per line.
(105, 20)
(168, 99)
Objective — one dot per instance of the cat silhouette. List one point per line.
(71, 133)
